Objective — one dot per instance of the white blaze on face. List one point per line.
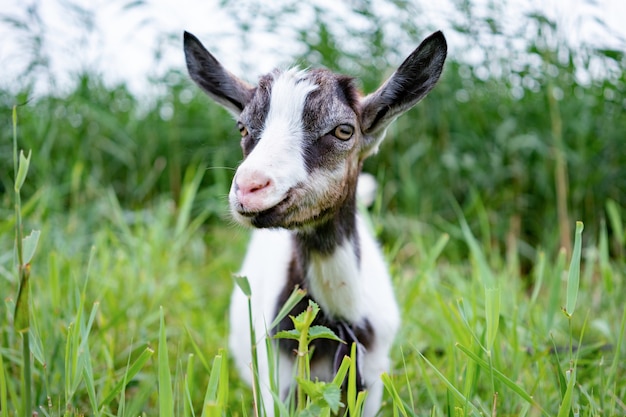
(276, 164)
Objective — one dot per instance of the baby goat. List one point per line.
(304, 136)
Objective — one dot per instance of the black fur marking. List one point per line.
(254, 114)
(334, 102)
(327, 236)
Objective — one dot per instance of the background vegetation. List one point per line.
(520, 141)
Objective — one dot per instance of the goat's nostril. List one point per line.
(252, 183)
(257, 187)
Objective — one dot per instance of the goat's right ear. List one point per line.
(417, 75)
(222, 86)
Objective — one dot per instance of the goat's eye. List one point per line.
(242, 129)
(344, 132)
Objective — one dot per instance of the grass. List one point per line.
(127, 316)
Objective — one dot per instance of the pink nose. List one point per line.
(252, 189)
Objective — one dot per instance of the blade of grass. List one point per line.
(197, 350)
(603, 259)
(85, 359)
(407, 382)
(452, 389)
(555, 289)
(539, 274)
(566, 404)
(166, 401)
(3, 390)
(613, 370)
(129, 374)
(244, 286)
(189, 385)
(492, 314)
(351, 391)
(573, 276)
(296, 296)
(429, 385)
(210, 407)
(617, 226)
(188, 195)
(501, 377)
(223, 390)
(395, 397)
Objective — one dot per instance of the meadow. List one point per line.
(500, 210)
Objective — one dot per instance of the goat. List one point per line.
(304, 136)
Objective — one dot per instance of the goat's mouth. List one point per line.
(266, 218)
(288, 213)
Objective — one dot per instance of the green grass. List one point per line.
(128, 317)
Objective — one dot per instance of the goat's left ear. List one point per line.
(417, 75)
(225, 88)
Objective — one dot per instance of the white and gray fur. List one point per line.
(305, 135)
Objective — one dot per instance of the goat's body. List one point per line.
(355, 289)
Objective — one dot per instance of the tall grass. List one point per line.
(534, 136)
(111, 293)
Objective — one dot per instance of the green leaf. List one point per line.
(288, 334)
(22, 170)
(29, 244)
(243, 284)
(303, 320)
(573, 275)
(313, 410)
(22, 306)
(322, 332)
(310, 388)
(332, 396)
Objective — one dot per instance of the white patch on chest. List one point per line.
(334, 282)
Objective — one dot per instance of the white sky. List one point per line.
(122, 46)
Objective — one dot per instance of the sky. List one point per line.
(132, 41)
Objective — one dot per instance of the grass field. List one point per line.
(501, 211)
(125, 315)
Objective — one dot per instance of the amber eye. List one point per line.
(344, 132)
(242, 129)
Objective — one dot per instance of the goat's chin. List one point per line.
(283, 215)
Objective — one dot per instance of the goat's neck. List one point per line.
(324, 238)
(329, 263)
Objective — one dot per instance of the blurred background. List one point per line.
(525, 132)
